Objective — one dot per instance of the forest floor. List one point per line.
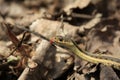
(26, 55)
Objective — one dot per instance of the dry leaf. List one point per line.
(76, 3)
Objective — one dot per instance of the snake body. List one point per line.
(90, 57)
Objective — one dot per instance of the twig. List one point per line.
(82, 16)
(35, 33)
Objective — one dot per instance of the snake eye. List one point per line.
(60, 38)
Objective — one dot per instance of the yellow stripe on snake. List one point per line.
(70, 45)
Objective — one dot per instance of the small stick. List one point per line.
(35, 33)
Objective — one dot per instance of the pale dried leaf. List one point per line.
(51, 28)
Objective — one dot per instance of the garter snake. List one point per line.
(69, 44)
(72, 46)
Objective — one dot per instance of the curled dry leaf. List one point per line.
(76, 3)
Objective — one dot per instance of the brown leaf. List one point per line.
(13, 38)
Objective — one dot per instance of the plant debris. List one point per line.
(27, 28)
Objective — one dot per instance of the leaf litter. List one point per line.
(94, 25)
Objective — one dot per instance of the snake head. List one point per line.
(62, 41)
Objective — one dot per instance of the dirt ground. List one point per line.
(28, 28)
